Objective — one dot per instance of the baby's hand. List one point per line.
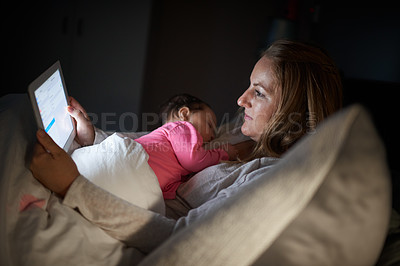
(231, 150)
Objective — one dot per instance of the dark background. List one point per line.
(122, 59)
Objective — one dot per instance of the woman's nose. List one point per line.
(243, 101)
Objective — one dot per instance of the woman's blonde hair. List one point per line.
(311, 89)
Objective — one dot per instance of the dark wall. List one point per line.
(209, 47)
(364, 40)
(206, 48)
(101, 45)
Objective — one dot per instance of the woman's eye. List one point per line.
(259, 94)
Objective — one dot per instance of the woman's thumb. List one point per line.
(73, 112)
(47, 142)
(76, 114)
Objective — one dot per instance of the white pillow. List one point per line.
(119, 165)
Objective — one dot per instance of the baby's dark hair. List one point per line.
(171, 107)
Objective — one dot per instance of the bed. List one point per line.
(327, 202)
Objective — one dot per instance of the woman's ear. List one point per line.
(183, 113)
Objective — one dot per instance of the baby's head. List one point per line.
(185, 107)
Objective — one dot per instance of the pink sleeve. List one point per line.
(188, 148)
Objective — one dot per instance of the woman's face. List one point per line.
(260, 100)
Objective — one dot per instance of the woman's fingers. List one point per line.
(77, 114)
(76, 105)
(39, 154)
(51, 165)
(84, 127)
(47, 142)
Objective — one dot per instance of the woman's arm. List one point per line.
(135, 226)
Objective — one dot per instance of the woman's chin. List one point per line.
(245, 130)
(248, 133)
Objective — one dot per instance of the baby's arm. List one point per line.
(188, 148)
(231, 150)
(240, 150)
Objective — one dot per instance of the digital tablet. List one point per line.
(49, 99)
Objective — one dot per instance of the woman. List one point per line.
(293, 87)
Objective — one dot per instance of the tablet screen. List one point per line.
(52, 105)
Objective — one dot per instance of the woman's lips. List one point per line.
(246, 117)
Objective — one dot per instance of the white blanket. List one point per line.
(119, 165)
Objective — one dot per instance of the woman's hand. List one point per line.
(51, 165)
(84, 127)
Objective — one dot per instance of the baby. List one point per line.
(176, 148)
(146, 170)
